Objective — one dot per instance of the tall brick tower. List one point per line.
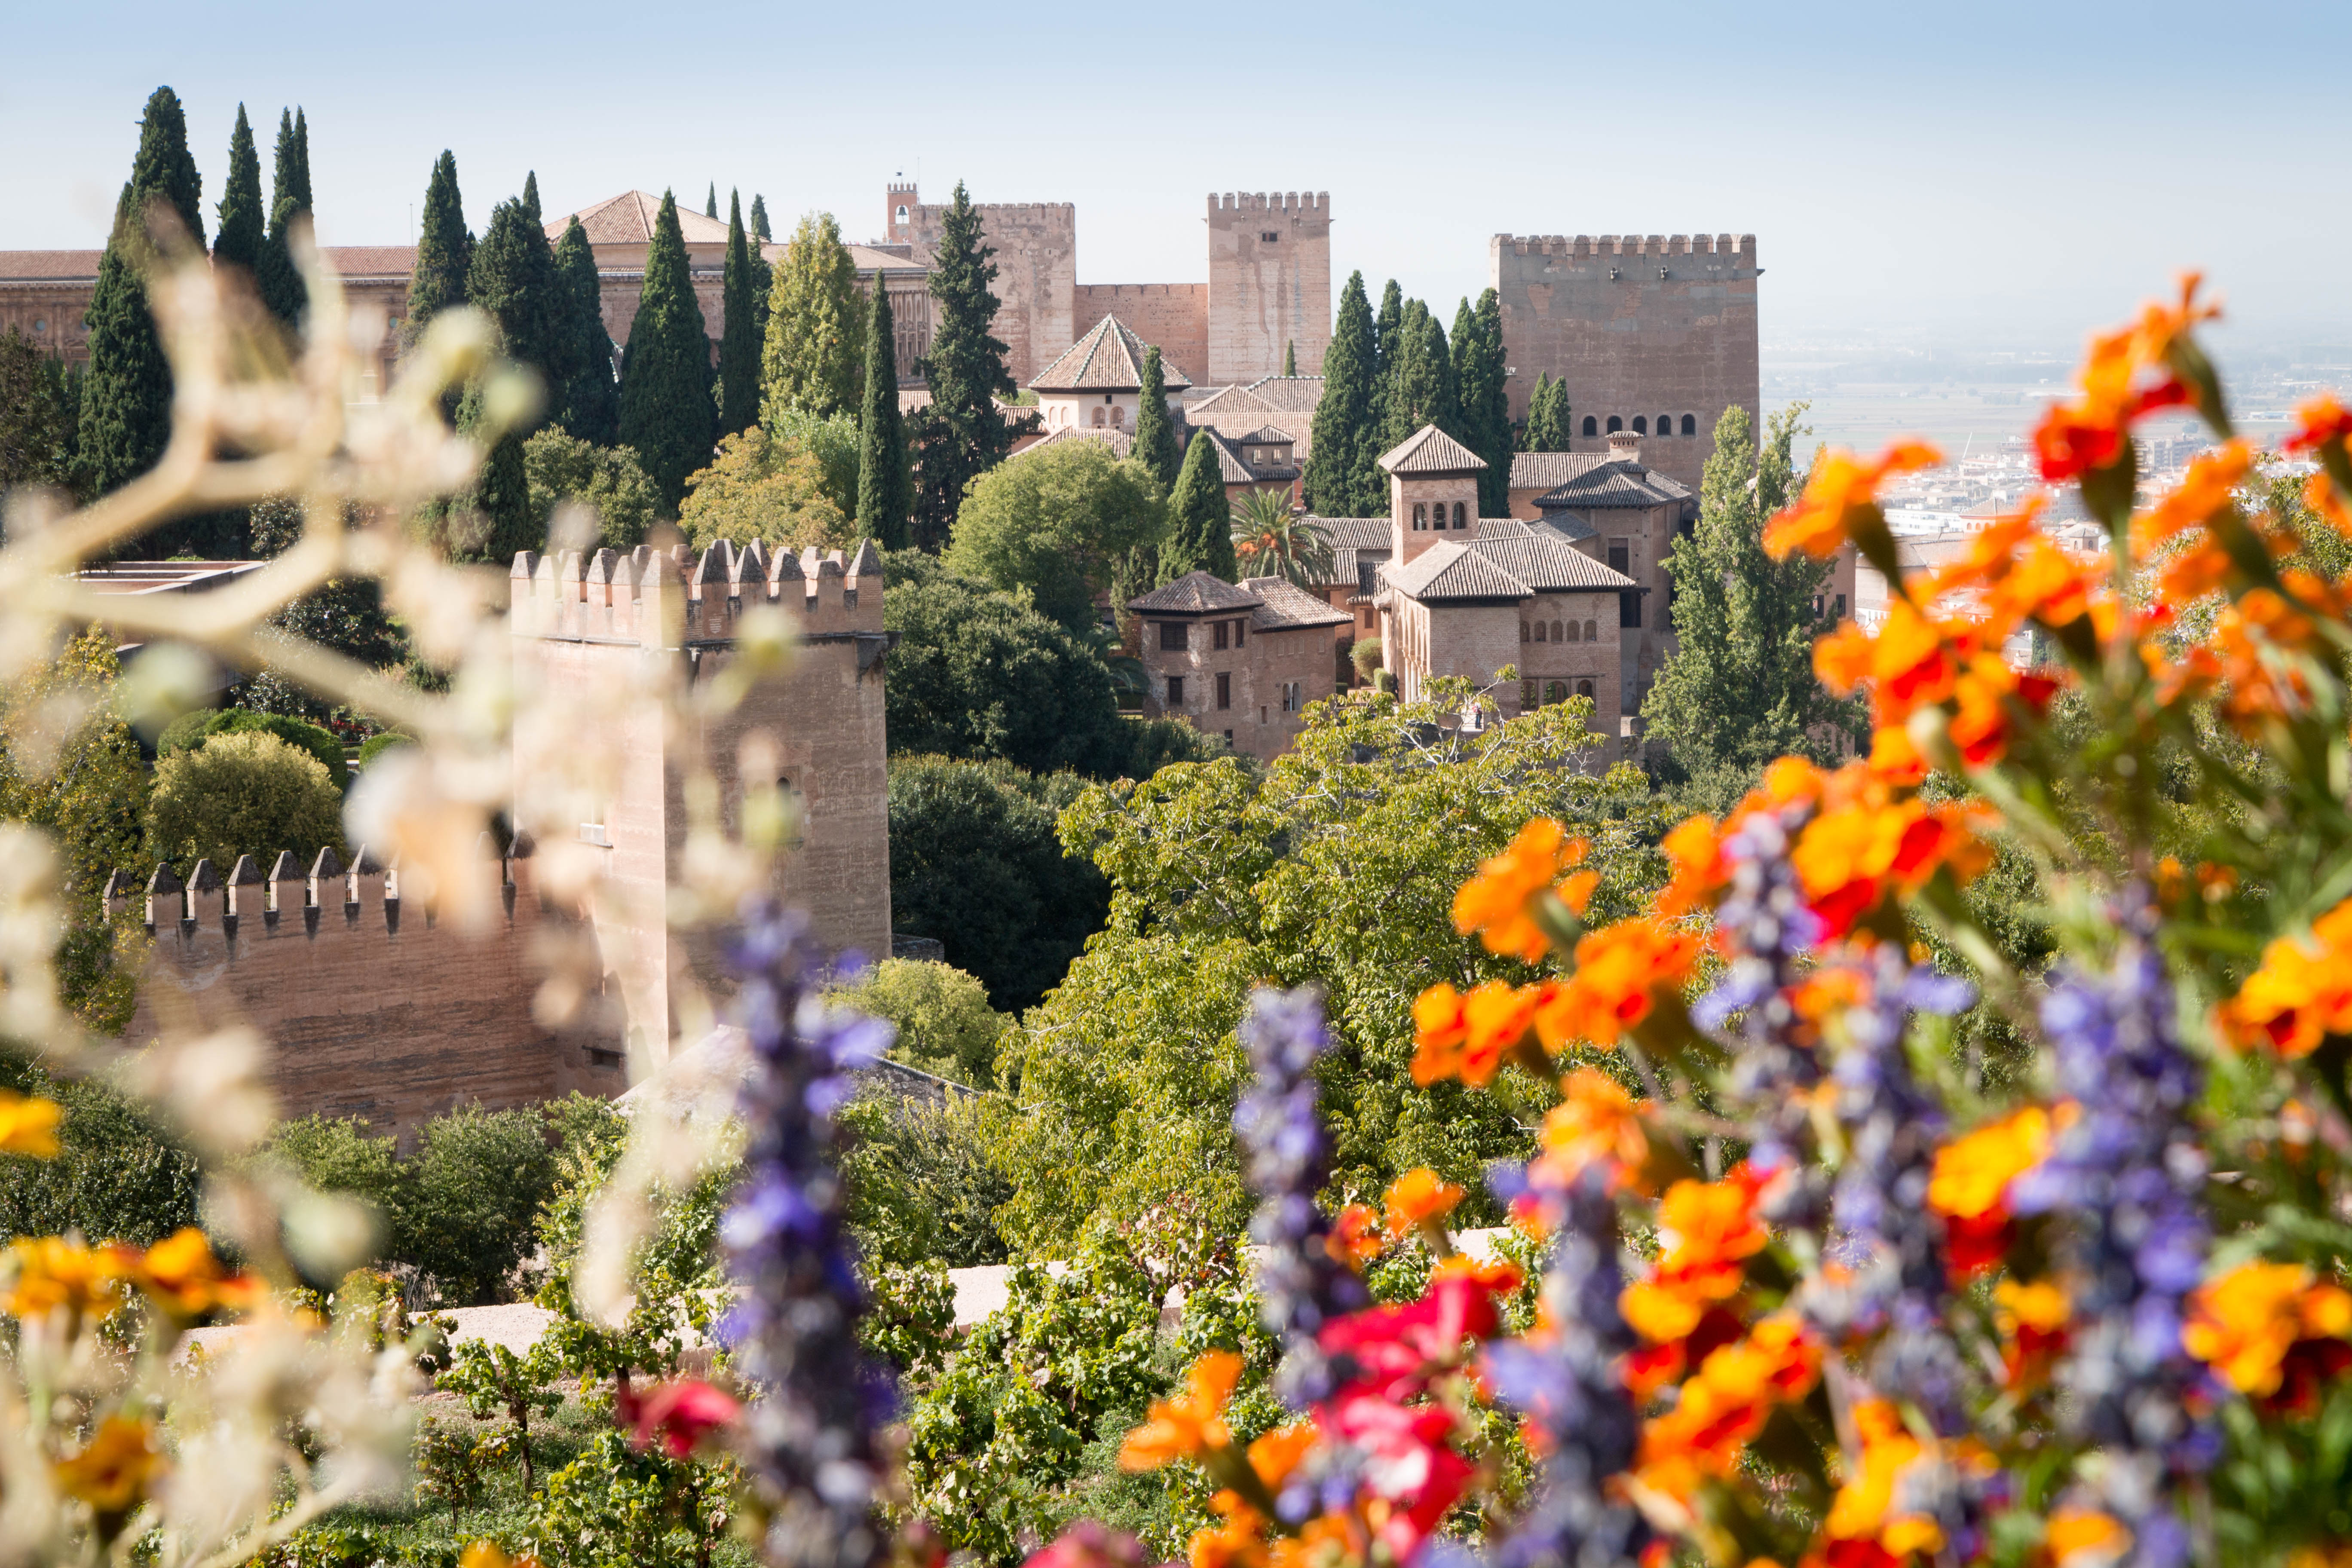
(1269, 283)
(899, 202)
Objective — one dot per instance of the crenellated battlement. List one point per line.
(1742, 245)
(322, 899)
(1296, 204)
(655, 599)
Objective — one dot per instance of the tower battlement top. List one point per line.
(1741, 246)
(1315, 204)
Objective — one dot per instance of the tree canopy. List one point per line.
(290, 199)
(444, 251)
(1483, 398)
(1200, 532)
(816, 325)
(666, 412)
(244, 220)
(738, 349)
(588, 404)
(1155, 434)
(1337, 463)
(764, 489)
(242, 794)
(885, 483)
(1056, 522)
(961, 434)
(1546, 429)
(562, 468)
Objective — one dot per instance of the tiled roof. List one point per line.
(1430, 451)
(1357, 543)
(1544, 470)
(42, 265)
(1541, 559)
(1266, 435)
(1245, 425)
(1618, 483)
(1121, 442)
(1228, 401)
(1451, 571)
(1291, 394)
(1285, 606)
(628, 220)
(1195, 594)
(1109, 358)
(373, 260)
(1231, 467)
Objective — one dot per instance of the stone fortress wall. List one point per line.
(1269, 283)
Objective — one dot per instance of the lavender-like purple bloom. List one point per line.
(812, 1432)
(1301, 1286)
(2123, 1181)
(1571, 1386)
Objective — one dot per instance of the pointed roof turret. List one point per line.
(1109, 358)
(1430, 451)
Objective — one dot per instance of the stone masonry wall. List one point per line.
(1036, 260)
(1257, 666)
(1269, 284)
(1635, 325)
(1594, 658)
(1172, 317)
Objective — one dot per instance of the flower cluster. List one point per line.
(49, 1276)
(2301, 992)
(2273, 1330)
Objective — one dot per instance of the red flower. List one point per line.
(1395, 1346)
(677, 1415)
(1407, 1461)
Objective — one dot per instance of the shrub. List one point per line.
(921, 1187)
(607, 480)
(190, 731)
(240, 794)
(944, 1022)
(378, 744)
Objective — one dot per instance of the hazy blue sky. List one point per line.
(1996, 173)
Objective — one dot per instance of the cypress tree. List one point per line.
(1420, 388)
(126, 408)
(884, 488)
(514, 281)
(589, 404)
(1289, 357)
(444, 251)
(244, 225)
(503, 521)
(738, 349)
(1483, 400)
(289, 198)
(665, 411)
(759, 217)
(530, 197)
(1343, 414)
(1386, 329)
(711, 208)
(1199, 520)
(1155, 436)
(961, 434)
(1546, 428)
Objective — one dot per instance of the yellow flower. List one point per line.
(2244, 1323)
(183, 1275)
(45, 1272)
(1971, 1173)
(2081, 1536)
(2301, 994)
(112, 1472)
(27, 1126)
(1864, 1508)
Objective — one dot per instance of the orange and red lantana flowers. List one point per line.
(1840, 494)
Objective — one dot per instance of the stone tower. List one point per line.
(899, 202)
(1269, 283)
(1037, 261)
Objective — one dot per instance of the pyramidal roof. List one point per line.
(1109, 358)
(628, 220)
(1430, 451)
(1195, 592)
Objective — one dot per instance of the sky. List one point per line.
(1988, 176)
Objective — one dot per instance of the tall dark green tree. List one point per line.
(1343, 414)
(1483, 398)
(1155, 434)
(1289, 357)
(35, 441)
(444, 251)
(1420, 388)
(961, 434)
(244, 222)
(710, 206)
(588, 404)
(530, 197)
(666, 412)
(1386, 326)
(289, 198)
(1739, 689)
(126, 407)
(886, 491)
(738, 347)
(759, 229)
(1546, 428)
(1387, 343)
(1199, 520)
(513, 281)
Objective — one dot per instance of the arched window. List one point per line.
(1459, 516)
(1523, 631)
(902, 212)
(1571, 630)
(1555, 692)
(1584, 688)
(1591, 426)
(1615, 425)
(1690, 425)
(1539, 630)
(1665, 423)
(1098, 418)
(1589, 634)
(1419, 517)
(1640, 424)
(1118, 418)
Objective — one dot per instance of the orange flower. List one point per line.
(46, 1273)
(1725, 1405)
(1495, 902)
(1595, 1122)
(1706, 1232)
(1972, 1173)
(2244, 1323)
(27, 1126)
(1355, 1239)
(1277, 1453)
(183, 1275)
(1190, 1425)
(1841, 494)
(2320, 422)
(2127, 373)
(2301, 992)
(2084, 1538)
(114, 1468)
(2034, 1316)
(1466, 1038)
(2212, 479)
(1893, 759)
(1238, 1542)
(1418, 1197)
(1847, 858)
(1982, 724)
(1618, 969)
(1863, 1509)
(1695, 850)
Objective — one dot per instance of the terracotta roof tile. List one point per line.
(1225, 402)
(1430, 451)
(373, 260)
(628, 220)
(1109, 358)
(1543, 470)
(1233, 470)
(1619, 483)
(1539, 557)
(45, 266)
(1195, 593)
(1290, 394)
(1285, 607)
(1451, 571)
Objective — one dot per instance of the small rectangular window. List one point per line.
(1217, 634)
(1620, 556)
(1841, 607)
(1241, 631)
(1175, 691)
(1629, 609)
(1171, 636)
(1224, 689)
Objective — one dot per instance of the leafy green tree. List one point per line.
(766, 489)
(1057, 524)
(921, 1187)
(588, 404)
(244, 222)
(835, 441)
(961, 434)
(739, 351)
(1335, 866)
(190, 731)
(666, 412)
(481, 1176)
(560, 469)
(444, 251)
(1419, 379)
(975, 863)
(945, 1024)
(126, 410)
(1483, 398)
(1199, 536)
(36, 439)
(1739, 689)
(513, 281)
(245, 794)
(1155, 434)
(346, 615)
(885, 484)
(1546, 428)
(1343, 414)
(119, 1173)
(814, 345)
(282, 289)
(759, 217)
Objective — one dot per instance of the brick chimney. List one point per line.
(1626, 445)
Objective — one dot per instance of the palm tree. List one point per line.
(1272, 540)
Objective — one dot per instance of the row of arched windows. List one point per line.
(1421, 522)
(1553, 692)
(1665, 426)
(1533, 631)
